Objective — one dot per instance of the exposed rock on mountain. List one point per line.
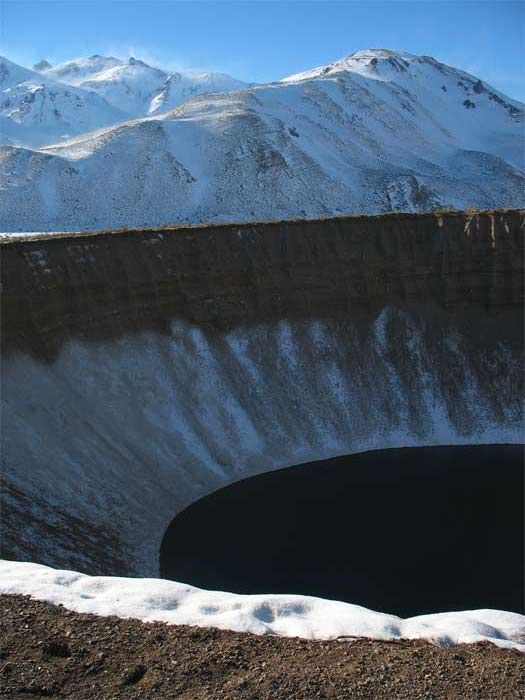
(42, 65)
(375, 132)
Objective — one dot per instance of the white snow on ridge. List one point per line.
(375, 132)
(137, 88)
(127, 86)
(51, 103)
(179, 87)
(36, 110)
(76, 71)
(159, 600)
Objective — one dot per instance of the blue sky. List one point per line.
(264, 41)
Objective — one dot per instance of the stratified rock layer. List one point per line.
(144, 369)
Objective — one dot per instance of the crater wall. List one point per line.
(142, 370)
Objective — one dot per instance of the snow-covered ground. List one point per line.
(50, 103)
(36, 110)
(374, 132)
(286, 615)
(136, 87)
(215, 408)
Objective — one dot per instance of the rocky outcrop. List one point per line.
(144, 369)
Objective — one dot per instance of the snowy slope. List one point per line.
(285, 615)
(75, 72)
(129, 86)
(375, 132)
(178, 87)
(35, 110)
(137, 88)
(11, 74)
(49, 104)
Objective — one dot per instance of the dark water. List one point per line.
(404, 531)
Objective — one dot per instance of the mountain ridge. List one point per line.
(36, 110)
(50, 104)
(374, 132)
(136, 87)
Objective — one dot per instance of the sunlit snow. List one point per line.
(285, 615)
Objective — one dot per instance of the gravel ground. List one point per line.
(47, 651)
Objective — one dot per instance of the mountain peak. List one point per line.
(379, 64)
(11, 74)
(365, 61)
(374, 59)
(364, 54)
(78, 70)
(42, 65)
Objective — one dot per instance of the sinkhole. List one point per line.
(405, 531)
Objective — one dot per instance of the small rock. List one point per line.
(133, 675)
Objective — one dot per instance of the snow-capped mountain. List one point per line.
(179, 87)
(77, 71)
(36, 110)
(136, 88)
(50, 103)
(377, 131)
(129, 86)
(12, 74)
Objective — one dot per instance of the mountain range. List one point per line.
(99, 142)
(137, 88)
(50, 103)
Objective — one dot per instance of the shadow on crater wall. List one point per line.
(404, 531)
(145, 369)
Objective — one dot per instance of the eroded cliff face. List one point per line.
(145, 369)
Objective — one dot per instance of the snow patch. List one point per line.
(284, 615)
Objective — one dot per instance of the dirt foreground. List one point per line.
(48, 651)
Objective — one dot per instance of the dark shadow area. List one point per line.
(404, 531)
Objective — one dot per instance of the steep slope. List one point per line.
(35, 110)
(78, 70)
(376, 132)
(11, 74)
(178, 87)
(49, 104)
(128, 86)
(434, 93)
(137, 88)
(142, 370)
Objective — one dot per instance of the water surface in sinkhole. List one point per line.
(404, 531)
